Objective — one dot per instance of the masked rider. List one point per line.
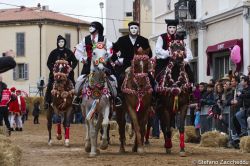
(83, 53)
(127, 46)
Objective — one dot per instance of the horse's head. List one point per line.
(99, 56)
(140, 64)
(61, 70)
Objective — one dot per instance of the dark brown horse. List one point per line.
(173, 93)
(137, 93)
(62, 96)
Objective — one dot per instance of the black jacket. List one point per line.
(127, 49)
(244, 98)
(65, 54)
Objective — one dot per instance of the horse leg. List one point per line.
(87, 138)
(165, 122)
(93, 138)
(181, 130)
(67, 118)
(49, 124)
(59, 130)
(105, 123)
(120, 118)
(138, 146)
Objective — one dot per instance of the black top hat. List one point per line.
(171, 22)
(133, 23)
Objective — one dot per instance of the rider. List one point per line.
(61, 52)
(162, 49)
(127, 46)
(83, 53)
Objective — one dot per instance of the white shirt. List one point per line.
(80, 51)
(163, 54)
(132, 39)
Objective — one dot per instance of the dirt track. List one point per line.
(36, 152)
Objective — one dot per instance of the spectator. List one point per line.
(244, 102)
(36, 112)
(40, 86)
(208, 97)
(195, 100)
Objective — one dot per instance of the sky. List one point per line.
(79, 7)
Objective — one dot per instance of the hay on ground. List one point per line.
(213, 139)
(10, 155)
(245, 144)
(113, 125)
(190, 135)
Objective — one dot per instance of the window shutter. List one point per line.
(15, 73)
(26, 71)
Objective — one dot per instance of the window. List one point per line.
(128, 14)
(194, 68)
(195, 47)
(67, 37)
(21, 72)
(20, 44)
(221, 65)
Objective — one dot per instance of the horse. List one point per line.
(96, 100)
(62, 97)
(173, 91)
(137, 93)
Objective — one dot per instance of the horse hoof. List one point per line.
(183, 154)
(50, 143)
(140, 150)
(58, 136)
(122, 150)
(104, 144)
(92, 154)
(147, 142)
(168, 151)
(67, 143)
(134, 149)
(87, 147)
(98, 151)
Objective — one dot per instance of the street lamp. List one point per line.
(101, 4)
(183, 12)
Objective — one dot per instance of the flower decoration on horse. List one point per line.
(177, 48)
(61, 70)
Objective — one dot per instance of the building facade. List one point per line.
(213, 29)
(119, 13)
(32, 34)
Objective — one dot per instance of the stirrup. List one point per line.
(118, 102)
(76, 101)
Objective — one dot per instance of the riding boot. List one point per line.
(77, 101)
(118, 101)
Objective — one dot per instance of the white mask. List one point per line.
(92, 29)
(134, 30)
(61, 43)
(172, 30)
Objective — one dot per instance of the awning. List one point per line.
(223, 46)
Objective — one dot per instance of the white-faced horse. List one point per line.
(96, 100)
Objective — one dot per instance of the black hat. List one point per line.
(171, 22)
(98, 26)
(133, 23)
(59, 37)
(180, 35)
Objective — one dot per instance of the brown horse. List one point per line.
(173, 93)
(62, 96)
(137, 92)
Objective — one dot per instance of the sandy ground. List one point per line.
(36, 152)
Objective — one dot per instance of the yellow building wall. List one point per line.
(32, 49)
